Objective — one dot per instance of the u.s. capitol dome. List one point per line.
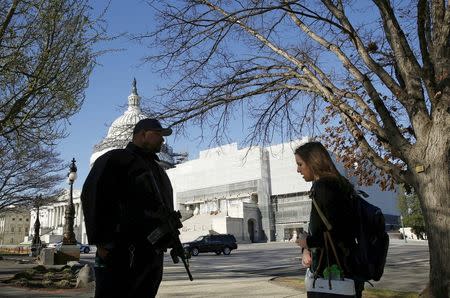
(121, 132)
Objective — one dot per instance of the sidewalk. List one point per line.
(247, 287)
(214, 287)
(409, 242)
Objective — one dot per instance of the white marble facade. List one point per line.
(52, 219)
(259, 185)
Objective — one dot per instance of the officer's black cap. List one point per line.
(151, 124)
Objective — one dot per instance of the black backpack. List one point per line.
(368, 256)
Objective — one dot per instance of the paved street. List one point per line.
(248, 270)
(406, 269)
(249, 260)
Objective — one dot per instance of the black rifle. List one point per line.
(169, 229)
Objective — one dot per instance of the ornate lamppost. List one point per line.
(36, 243)
(69, 235)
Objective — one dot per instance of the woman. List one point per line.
(331, 191)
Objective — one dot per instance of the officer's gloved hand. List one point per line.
(175, 218)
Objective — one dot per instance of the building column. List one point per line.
(50, 218)
(83, 237)
(56, 215)
(80, 214)
(77, 212)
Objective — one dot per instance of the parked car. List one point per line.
(222, 243)
(84, 248)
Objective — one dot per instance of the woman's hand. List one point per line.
(306, 258)
(301, 241)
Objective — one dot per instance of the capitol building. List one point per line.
(120, 132)
(253, 193)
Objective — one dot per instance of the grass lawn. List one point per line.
(369, 292)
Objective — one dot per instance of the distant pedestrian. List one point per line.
(120, 204)
(331, 192)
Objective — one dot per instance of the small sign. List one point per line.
(420, 169)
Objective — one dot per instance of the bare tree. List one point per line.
(27, 171)
(46, 56)
(374, 75)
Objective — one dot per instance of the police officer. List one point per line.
(121, 209)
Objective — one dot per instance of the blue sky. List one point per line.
(110, 85)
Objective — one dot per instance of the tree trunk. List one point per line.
(433, 188)
(438, 233)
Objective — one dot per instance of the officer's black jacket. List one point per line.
(117, 205)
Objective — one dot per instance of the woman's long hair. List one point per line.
(318, 159)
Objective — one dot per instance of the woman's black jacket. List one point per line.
(333, 197)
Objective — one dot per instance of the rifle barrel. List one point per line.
(173, 231)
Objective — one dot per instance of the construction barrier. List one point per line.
(15, 249)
